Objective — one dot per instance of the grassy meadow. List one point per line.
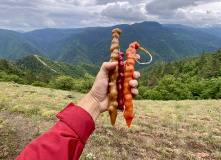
(188, 129)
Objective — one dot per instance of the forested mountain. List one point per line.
(197, 77)
(47, 39)
(91, 45)
(37, 65)
(211, 30)
(39, 71)
(14, 46)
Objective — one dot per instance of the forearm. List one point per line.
(90, 104)
(65, 140)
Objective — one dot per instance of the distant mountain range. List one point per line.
(214, 30)
(14, 46)
(91, 45)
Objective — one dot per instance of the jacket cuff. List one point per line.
(78, 119)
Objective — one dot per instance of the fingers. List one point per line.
(137, 57)
(133, 84)
(108, 66)
(136, 74)
(134, 92)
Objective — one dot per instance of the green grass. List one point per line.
(188, 129)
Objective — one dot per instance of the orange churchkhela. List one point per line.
(113, 92)
(128, 75)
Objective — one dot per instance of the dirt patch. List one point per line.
(16, 133)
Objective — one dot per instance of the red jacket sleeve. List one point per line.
(65, 140)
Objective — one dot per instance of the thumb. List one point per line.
(108, 66)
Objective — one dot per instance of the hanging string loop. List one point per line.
(147, 53)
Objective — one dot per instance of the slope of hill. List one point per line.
(160, 130)
(13, 46)
(37, 64)
(47, 39)
(196, 77)
(39, 71)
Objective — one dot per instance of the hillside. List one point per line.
(37, 64)
(160, 130)
(13, 46)
(91, 45)
(211, 30)
(38, 71)
(197, 77)
(47, 39)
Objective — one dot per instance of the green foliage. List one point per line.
(64, 82)
(67, 77)
(82, 85)
(40, 84)
(189, 78)
(9, 73)
(46, 68)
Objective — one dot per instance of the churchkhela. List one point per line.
(120, 81)
(129, 69)
(113, 93)
(119, 90)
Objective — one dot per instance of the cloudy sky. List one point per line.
(35, 14)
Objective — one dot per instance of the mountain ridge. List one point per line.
(91, 45)
(14, 46)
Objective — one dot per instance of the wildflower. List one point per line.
(90, 156)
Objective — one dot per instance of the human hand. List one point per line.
(96, 101)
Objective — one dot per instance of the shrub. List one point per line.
(41, 84)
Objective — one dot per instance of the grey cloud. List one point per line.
(33, 14)
(75, 2)
(104, 2)
(123, 12)
(20, 3)
(38, 14)
(169, 7)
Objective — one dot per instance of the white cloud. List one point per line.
(33, 14)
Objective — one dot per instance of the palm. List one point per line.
(100, 90)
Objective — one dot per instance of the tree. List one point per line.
(202, 60)
(30, 77)
(44, 77)
(153, 81)
(3, 64)
(64, 82)
(168, 68)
